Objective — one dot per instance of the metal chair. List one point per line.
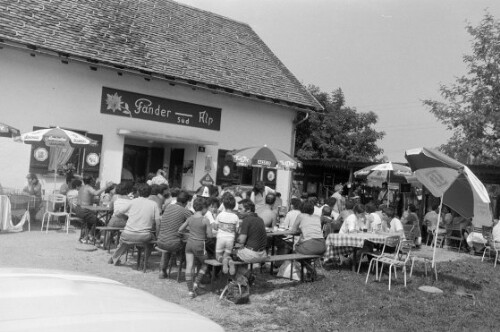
(391, 241)
(400, 259)
(409, 232)
(53, 202)
(491, 244)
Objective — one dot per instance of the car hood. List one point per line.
(50, 300)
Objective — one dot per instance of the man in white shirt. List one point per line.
(350, 224)
(395, 225)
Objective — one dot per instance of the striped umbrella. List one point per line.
(56, 137)
(8, 131)
(454, 182)
(375, 175)
(264, 157)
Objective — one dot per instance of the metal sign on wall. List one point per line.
(139, 106)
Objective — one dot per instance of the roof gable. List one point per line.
(160, 37)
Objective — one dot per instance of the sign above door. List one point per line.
(139, 106)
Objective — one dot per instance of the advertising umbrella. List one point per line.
(388, 172)
(454, 182)
(8, 131)
(264, 157)
(56, 138)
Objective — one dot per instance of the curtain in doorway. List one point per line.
(59, 156)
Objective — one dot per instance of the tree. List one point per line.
(338, 131)
(472, 105)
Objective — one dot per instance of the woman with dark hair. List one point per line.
(119, 204)
(258, 195)
(311, 241)
(292, 215)
(65, 187)
(86, 196)
(34, 188)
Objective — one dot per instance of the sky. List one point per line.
(386, 55)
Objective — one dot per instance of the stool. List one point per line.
(169, 266)
(108, 231)
(140, 246)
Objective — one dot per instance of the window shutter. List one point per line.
(92, 156)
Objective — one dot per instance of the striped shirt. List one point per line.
(173, 217)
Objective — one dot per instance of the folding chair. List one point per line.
(55, 201)
(391, 241)
(400, 259)
(491, 245)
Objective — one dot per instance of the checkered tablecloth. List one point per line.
(344, 244)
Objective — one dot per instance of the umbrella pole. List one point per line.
(436, 235)
(262, 174)
(388, 181)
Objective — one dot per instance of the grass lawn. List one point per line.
(342, 301)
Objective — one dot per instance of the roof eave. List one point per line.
(148, 74)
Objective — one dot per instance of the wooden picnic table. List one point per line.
(280, 232)
(101, 212)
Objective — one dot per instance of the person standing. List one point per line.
(385, 196)
(258, 195)
(199, 231)
(34, 188)
(168, 235)
(340, 200)
(143, 215)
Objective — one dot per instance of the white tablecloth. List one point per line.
(6, 218)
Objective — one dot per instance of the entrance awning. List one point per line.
(158, 137)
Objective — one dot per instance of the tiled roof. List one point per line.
(157, 36)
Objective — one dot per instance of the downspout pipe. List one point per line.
(292, 152)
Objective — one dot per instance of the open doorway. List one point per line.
(142, 160)
(176, 167)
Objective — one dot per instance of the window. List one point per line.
(85, 160)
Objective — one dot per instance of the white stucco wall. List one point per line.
(45, 92)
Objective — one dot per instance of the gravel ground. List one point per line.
(58, 250)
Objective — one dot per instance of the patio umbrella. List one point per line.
(8, 131)
(262, 157)
(388, 172)
(454, 182)
(59, 140)
(56, 137)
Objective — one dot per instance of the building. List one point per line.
(157, 83)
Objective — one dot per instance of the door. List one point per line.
(156, 159)
(176, 164)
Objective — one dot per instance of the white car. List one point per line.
(49, 300)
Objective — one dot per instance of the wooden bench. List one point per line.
(140, 246)
(107, 232)
(179, 269)
(294, 257)
(271, 259)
